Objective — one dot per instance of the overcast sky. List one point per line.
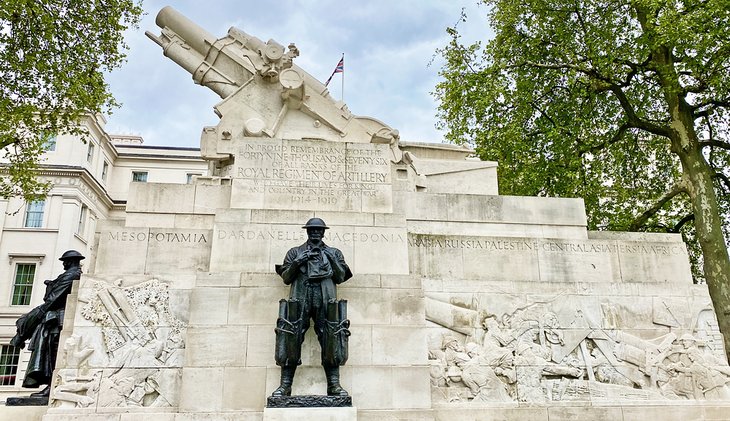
(388, 45)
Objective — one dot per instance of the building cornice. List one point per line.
(158, 157)
(50, 170)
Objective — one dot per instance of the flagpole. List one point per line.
(342, 91)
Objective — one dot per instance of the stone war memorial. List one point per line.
(463, 304)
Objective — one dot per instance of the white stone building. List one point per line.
(90, 182)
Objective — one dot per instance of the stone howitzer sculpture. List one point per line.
(264, 93)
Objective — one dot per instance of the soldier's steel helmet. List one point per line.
(316, 223)
(72, 254)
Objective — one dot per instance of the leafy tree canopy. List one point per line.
(52, 57)
(621, 102)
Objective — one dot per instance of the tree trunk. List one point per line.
(708, 224)
(699, 174)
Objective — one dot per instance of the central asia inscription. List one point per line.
(312, 175)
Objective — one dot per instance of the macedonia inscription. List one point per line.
(278, 174)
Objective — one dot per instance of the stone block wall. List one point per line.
(463, 306)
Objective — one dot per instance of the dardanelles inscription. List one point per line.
(290, 235)
(307, 173)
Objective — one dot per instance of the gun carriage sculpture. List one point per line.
(264, 93)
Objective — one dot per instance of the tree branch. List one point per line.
(715, 144)
(634, 120)
(615, 138)
(680, 224)
(723, 178)
(713, 103)
(641, 220)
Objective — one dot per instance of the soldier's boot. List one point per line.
(333, 382)
(287, 377)
(44, 393)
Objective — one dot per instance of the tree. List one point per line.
(52, 57)
(621, 102)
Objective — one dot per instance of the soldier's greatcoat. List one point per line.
(43, 325)
(309, 288)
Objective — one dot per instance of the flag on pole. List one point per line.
(340, 68)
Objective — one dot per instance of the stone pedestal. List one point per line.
(27, 401)
(308, 401)
(307, 414)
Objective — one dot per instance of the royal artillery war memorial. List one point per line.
(325, 269)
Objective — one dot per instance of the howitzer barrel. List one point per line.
(210, 61)
(195, 36)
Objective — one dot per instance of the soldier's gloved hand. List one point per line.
(301, 258)
(17, 342)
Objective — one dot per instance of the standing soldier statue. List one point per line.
(312, 269)
(42, 326)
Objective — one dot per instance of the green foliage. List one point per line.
(572, 99)
(52, 57)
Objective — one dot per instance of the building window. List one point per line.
(82, 220)
(34, 214)
(49, 142)
(104, 171)
(139, 176)
(23, 285)
(9, 356)
(190, 177)
(90, 153)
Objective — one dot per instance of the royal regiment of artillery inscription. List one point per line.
(338, 176)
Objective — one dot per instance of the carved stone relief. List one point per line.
(138, 347)
(528, 355)
(78, 386)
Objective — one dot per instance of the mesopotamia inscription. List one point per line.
(159, 237)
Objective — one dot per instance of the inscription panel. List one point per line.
(311, 175)
(548, 260)
(153, 250)
(258, 247)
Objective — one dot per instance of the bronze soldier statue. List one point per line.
(42, 325)
(312, 269)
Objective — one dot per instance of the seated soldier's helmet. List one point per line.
(316, 223)
(72, 254)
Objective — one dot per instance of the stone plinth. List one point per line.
(22, 413)
(308, 414)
